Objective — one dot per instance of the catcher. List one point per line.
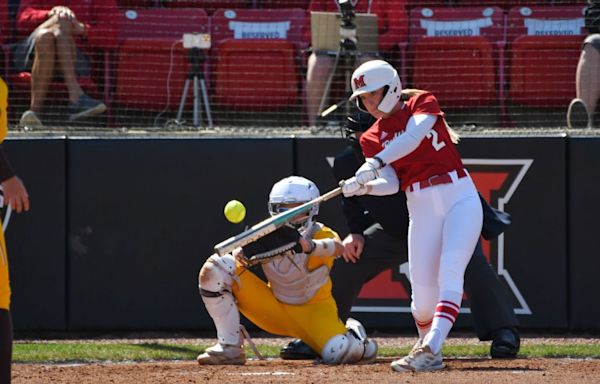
(296, 301)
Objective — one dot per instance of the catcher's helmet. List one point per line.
(360, 122)
(292, 191)
(371, 76)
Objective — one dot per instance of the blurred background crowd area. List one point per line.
(492, 64)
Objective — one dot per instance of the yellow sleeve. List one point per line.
(3, 109)
(322, 233)
(325, 233)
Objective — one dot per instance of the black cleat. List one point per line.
(297, 350)
(506, 344)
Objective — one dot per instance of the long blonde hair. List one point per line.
(407, 93)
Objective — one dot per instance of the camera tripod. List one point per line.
(347, 50)
(196, 75)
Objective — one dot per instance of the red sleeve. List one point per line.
(427, 104)
(31, 14)
(103, 28)
(392, 20)
(368, 143)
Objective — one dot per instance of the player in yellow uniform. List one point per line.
(296, 301)
(15, 196)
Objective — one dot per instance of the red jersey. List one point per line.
(392, 18)
(435, 155)
(101, 18)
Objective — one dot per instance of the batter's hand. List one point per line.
(353, 247)
(351, 187)
(367, 171)
(15, 194)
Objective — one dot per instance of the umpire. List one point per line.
(377, 241)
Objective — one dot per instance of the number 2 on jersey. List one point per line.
(436, 142)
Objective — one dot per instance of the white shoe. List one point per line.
(421, 359)
(417, 345)
(30, 120)
(222, 354)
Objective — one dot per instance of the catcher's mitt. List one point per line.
(284, 240)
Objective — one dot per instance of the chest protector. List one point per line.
(290, 279)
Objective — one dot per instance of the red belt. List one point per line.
(444, 178)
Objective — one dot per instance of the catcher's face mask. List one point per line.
(280, 208)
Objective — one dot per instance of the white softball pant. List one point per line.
(445, 224)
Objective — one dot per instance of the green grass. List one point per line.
(113, 352)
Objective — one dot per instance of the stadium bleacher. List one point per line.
(469, 53)
(543, 44)
(255, 57)
(151, 64)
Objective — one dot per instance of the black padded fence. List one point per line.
(119, 227)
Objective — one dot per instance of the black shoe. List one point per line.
(85, 106)
(297, 350)
(506, 343)
(577, 115)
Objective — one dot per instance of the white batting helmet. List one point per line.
(371, 76)
(294, 190)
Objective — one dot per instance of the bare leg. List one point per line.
(42, 68)
(67, 56)
(318, 69)
(588, 78)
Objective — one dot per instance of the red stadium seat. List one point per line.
(303, 4)
(456, 53)
(504, 4)
(210, 6)
(152, 64)
(5, 34)
(544, 44)
(134, 4)
(255, 54)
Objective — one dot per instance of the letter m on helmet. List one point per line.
(359, 82)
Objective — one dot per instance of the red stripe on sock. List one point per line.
(450, 309)
(445, 316)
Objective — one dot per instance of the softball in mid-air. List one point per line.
(235, 211)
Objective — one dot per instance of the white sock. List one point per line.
(423, 327)
(446, 312)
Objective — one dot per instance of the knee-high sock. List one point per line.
(6, 341)
(423, 327)
(446, 313)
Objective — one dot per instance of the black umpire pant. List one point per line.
(490, 305)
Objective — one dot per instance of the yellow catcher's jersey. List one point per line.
(314, 262)
(3, 109)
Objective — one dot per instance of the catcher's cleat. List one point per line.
(297, 350)
(222, 354)
(421, 359)
(506, 344)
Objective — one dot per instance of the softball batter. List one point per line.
(411, 142)
(297, 299)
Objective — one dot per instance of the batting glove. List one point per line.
(351, 187)
(368, 171)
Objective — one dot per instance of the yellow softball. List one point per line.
(235, 211)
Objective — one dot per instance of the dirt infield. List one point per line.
(458, 370)
(523, 371)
